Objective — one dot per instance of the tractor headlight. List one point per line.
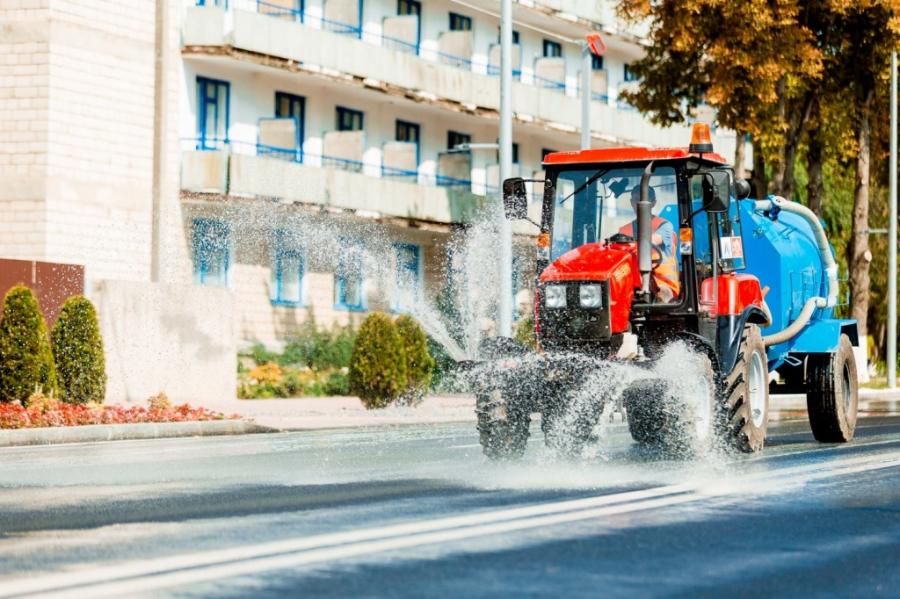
(590, 296)
(555, 296)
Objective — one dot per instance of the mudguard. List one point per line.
(730, 330)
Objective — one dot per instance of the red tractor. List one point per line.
(644, 251)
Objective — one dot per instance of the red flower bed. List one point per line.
(16, 416)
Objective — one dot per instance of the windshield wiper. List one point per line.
(584, 185)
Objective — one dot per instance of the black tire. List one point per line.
(745, 405)
(502, 431)
(659, 416)
(832, 394)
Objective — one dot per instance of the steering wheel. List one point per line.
(655, 262)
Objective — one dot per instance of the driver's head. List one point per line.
(636, 196)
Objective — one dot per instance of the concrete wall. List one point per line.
(179, 339)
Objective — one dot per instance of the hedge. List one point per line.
(26, 359)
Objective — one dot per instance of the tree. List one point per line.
(378, 363)
(26, 360)
(78, 352)
(419, 363)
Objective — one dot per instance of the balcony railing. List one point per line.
(321, 160)
(425, 53)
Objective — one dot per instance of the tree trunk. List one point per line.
(760, 185)
(859, 240)
(814, 169)
(740, 155)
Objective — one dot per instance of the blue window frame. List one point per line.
(412, 7)
(407, 284)
(515, 288)
(348, 280)
(288, 268)
(212, 113)
(455, 273)
(409, 133)
(628, 75)
(460, 22)
(596, 62)
(552, 49)
(211, 244)
(292, 107)
(223, 3)
(455, 138)
(349, 119)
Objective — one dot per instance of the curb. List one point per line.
(121, 432)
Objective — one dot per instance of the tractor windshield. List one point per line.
(592, 205)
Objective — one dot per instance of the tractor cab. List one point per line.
(633, 241)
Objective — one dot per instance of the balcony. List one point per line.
(266, 172)
(427, 73)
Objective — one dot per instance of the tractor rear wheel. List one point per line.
(832, 394)
(502, 430)
(745, 406)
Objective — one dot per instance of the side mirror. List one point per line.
(742, 187)
(716, 192)
(515, 199)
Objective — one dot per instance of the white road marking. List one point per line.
(132, 577)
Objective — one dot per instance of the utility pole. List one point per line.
(504, 311)
(892, 238)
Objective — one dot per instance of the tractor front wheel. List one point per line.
(745, 407)
(832, 394)
(502, 429)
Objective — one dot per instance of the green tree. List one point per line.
(78, 352)
(26, 360)
(419, 363)
(378, 362)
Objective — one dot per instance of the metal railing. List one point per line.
(324, 161)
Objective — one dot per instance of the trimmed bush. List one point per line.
(525, 333)
(26, 360)
(78, 352)
(419, 363)
(378, 362)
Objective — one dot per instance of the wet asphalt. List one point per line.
(258, 515)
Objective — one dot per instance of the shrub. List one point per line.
(78, 352)
(525, 333)
(320, 350)
(40, 402)
(159, 402)
(378, 363)
(26, 359)
(337, 383)
(419, 363)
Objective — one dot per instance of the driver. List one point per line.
(664, 283)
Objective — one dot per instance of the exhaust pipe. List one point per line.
(645, 230)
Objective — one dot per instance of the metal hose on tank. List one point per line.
(830, 268)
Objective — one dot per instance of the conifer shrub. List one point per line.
(419, 363)
(26, 359)
(78, 352)
(378, 362)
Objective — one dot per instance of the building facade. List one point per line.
(266, 161)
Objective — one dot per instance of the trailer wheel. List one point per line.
(832, 394)
(503, 432)
(745, 406)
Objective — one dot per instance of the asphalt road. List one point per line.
(417, 511)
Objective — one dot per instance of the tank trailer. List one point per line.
(640, 248)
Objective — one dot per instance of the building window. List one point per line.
(223, 3)
(628, 74)
(289, 106)
(288, 267)
(596, 62)
(552, 49)
(349, 119)
(348, 280)
(406, 287)
(210, 240)
(515, 287)
(212, 113)
(455, 138)
(409, 7)
(515, 36)
(515, 153)
(408, 132)
(545, 151)
(460, 23)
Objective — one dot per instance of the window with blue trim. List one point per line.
(211, 241)
(288, 268)
(596, 62)
(348, 279)
(406, 285)
(212, 113)
(552, 49)
(349, 119)
(628, 74)
(223, 3)
(292, 107)
(455, 272)
(460, 22)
